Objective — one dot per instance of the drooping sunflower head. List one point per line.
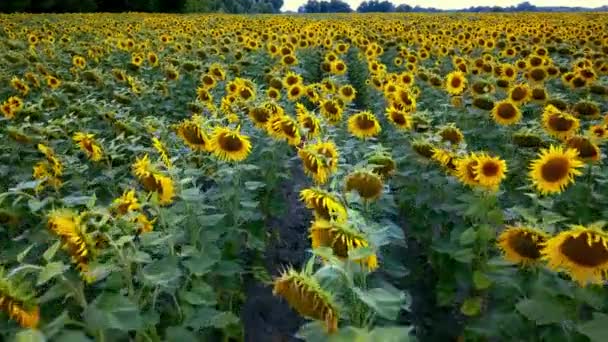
(451, 134)
(367, 184)
(230, 145)
(259, 116)
(364, 125)
(315, 165)
(309, 123)
(383, 164)
(87, 143)
(587, 150)
(17, 301)
(423, 148)
(142, 166)
(528, 138)
(483, 102)
(126, 203)
(445, 158)
(455, 83)
(193, 135)
(490, 171)
(326, 205)
(554, 169)
(586, 110)
(522, 245)
(285, 127)
(582, 252)
(332, 111)
(506, 113)
(304, 293)
(342, 239)
(399, 118)
(559, 124)
(329, 150)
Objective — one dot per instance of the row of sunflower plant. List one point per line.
(454, 180)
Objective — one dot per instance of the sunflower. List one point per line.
(332, 111)
(587, 150)
(423, 148)
(308, 121)
(304, 293)
(598, 132)
(582, 252)
(347, 93)
(554, 169)
(230, 145)
(88, 145)
(76, 241)
(18, 302)
(383, 165)
(7, 110)
(465, 169)
(455, 83)
(325, 205)
(522, 245)
(342, 239)
(285, 127)
(520, 94)
(193, 135)
(162, 150)
(451, 134)
(506, 113)
(367, 184)
(295, 92)
(259, 116)
(483, 102)
(273, 93)
(489, 171)
(401, 119)
(586, 110)
(144, 223)
(291, 79)
(53, 82)
(154, 181)
(126, 203)
(559, 124)
(363, 125)
(315, 165)
(20, 86)
(445, 158)
(527, 138)
(329, 150)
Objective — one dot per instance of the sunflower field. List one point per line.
(396, 177)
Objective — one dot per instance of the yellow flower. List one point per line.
(582, 252)
(367, 184)
(522, 245)
(554, 169)
(559, 124)
(489, 171)
(342, 239)
(162, 150)
(88, 145)
(285, 127)
(401, 119)
(506, 113)
(193, 135)
(53, 82)
(230, 145)
(325, 205)
(455, 83)
(127, 202)
(305, 295)
(364, 125)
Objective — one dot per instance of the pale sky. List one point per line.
(292, 5)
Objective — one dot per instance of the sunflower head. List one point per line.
(17, 301)
(554, 169)
(325, 205)
(399, 118)
(527, 138)
(332, 111)
(315, 165)
(367, 184)
(489, 171)
(520, 93)
(423, 148)
(522, 245)
(587, 150)
(364, 125)
(506, 113)
(581, 252)
(193, 135)
(126, 203)
(559, 124)
(285, 127)
(451, 134)
(304, 293)
(230, 145)
(445, 158)
(383, 164)
(466, 169)
(455, 83)
(342, 239)
(87, 143)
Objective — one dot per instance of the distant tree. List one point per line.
(525, 7)
(376, 6)
(333, 6)
(403, 8)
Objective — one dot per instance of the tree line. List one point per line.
(168, 6)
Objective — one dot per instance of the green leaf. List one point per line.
(391, 334)
(35, 205)
(113, 311)
(252, 186)
(21, 256)
(542, 310)
(312, 331)
(72, 201)
(155, 239)
(73, 336)
(50, 252)
(162, 272)
(206, 318)
(29, 335)
(471, 306)
(464, 255)
(387, 304)
(481, 280)
(360, 253)
(191, 195)
(468, 236)
(200, 294)
(200, 265)
(50, 271)
(210, 220)
(596, 329)
(180, 334)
